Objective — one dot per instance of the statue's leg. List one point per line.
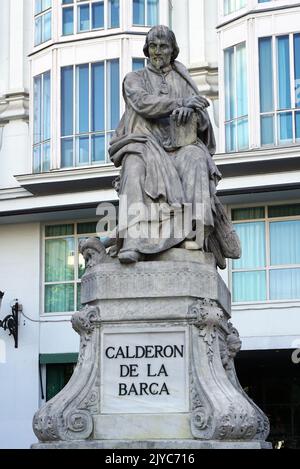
(192, 167)
(131, 198)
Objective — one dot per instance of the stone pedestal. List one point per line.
(155, 367)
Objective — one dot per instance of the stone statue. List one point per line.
(164, 144)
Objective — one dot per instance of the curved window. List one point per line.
(41, 122)
(90, 111)
(42, 21)
(88, 15)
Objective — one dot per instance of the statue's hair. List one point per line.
(162, 32)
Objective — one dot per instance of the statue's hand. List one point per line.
(199, 103)
(182, 115)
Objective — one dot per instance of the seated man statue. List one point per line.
(164, 144)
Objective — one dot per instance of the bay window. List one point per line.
(88, 15)
(233, 5)
(90, 111)
(145, 12)
(269, 268)
(236, 98)
(41, 122)
(42, 21)
(279, 80)
(64, 265)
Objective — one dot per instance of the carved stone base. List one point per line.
(156, 361)
(154, 444)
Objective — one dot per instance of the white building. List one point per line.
(61, 69)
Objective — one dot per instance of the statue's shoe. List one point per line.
(129, 256)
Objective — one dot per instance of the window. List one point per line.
(64, 266)
(279, 75)
(42, 21)
(233, 5)
(41, 123)
(270, 265)
(236, 99)
(138, 64)
(145, 12)
(57, 377)
(89, 15)
(90, 111)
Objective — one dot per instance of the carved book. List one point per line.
(184, 134)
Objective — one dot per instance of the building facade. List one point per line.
(61, 68)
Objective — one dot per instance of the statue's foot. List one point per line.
(129, 256)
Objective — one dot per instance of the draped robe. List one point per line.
(155, 172)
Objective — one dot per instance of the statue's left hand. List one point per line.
(182, 115)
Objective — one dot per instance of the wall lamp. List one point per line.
(11, 321)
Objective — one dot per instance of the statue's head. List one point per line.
(161, 46)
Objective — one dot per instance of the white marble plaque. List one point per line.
(144, 372)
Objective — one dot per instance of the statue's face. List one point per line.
(160, 52)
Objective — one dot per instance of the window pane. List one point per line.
(297, 67)
(37, 165)
(98, 149)
(230, 137)
(249, 286)
(46, 157)
(113, 94)
(37, 91)
(229, 84)
(68, 21)
(283, 65)
(59, 298)
(285, 125)
(284, 284)
(242, 134)
(284, 210)
(267, 130)
(252, 213)
(46, 105)
(82, 90)
(46, 4)
(82, 150)
(59, 259)
(297, 124)
(114, 14)
(87, 228)
(38, 31)
(47, 26)
(152, 12)
(98, 15)
(67, 153)
(284, 240)
(138, 64)
(241, 78)
(84, 18)
(67, 101)
(266, 74)
(98, 96)
(139, 12)
(252, 236)
(59, 230)
(38, 7)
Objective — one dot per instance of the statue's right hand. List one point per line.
(196, 102)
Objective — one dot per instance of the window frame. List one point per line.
(106, 132)
(268, 267)
(75, 4)
(76, 281)
(146, 25)
(276, 111)
(43, 141)
(40, 15)
(236, 119)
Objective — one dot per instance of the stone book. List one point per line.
(184, 134)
